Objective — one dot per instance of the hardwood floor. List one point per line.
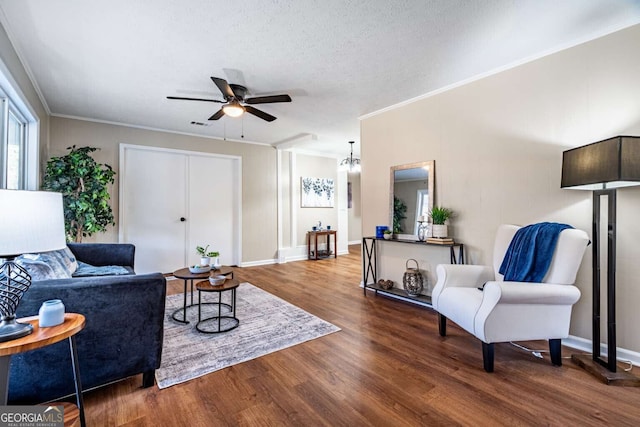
(387, 367)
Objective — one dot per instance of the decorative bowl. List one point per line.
(385, 284)
(197, 269)
(217, 280)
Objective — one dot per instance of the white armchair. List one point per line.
(512, 311)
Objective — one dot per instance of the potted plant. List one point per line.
(387, 234)
(439, 216)
(85, 194)
(205, 257)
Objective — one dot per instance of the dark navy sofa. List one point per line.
(122, 336)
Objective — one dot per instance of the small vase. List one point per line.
(51, 313)
(205, 260)
(216, 263)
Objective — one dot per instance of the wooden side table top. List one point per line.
(42, 337)
(206, 286)
(185, 274)
(322, 232)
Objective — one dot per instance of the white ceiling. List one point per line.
(117, 60)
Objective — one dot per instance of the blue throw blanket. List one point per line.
(87, 270)
(530, 252)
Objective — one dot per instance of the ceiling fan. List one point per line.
(235, 103)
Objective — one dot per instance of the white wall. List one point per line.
(498, 144)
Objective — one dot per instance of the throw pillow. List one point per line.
(37, 269)
(56, 260)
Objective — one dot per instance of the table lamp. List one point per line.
(602, 167)
(30, 221)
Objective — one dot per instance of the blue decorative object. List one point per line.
(51, 313)
(530, 252)
(380, 231)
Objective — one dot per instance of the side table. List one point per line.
(188, 276)
(42, 337)
(312, 237)
(231, 321)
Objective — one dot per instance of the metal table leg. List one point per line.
(76, 378)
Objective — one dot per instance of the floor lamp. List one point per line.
(30, 221)
(602, 167)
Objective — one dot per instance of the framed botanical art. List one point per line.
(317, 192)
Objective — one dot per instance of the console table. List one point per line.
(316, 254)
(370, 266)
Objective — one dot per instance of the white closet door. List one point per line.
(152, 204)
(213, 202)
(172, 201)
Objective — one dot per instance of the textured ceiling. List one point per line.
(117, 60)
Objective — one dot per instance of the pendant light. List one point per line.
(350, 164)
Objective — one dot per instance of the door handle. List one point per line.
(182, 219)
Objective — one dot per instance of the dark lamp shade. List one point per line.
(612, 163)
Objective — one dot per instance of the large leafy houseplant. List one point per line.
(83, 183)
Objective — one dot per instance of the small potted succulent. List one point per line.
(387, 235)
(205, 257)
(439, 217)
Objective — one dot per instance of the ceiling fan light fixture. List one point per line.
(233, 109)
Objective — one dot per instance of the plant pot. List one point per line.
(387, 236)
(439, 230)
(205, 260)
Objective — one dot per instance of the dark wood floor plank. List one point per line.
(388, 366)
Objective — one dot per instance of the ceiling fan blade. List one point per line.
(224, 87)
(259, 113)
(217, 115)
(195, 99)
(268, 99)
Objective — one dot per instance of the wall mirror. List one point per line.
(411, 196)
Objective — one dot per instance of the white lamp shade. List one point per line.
(30, 221)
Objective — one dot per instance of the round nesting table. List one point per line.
(187, 276)
(222, 322)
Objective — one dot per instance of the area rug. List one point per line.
(267, 324)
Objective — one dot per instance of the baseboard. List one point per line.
(586, 345)
(298, 254)
(257, 263)
(354, 242)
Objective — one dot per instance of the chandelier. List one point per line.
(351, 164)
